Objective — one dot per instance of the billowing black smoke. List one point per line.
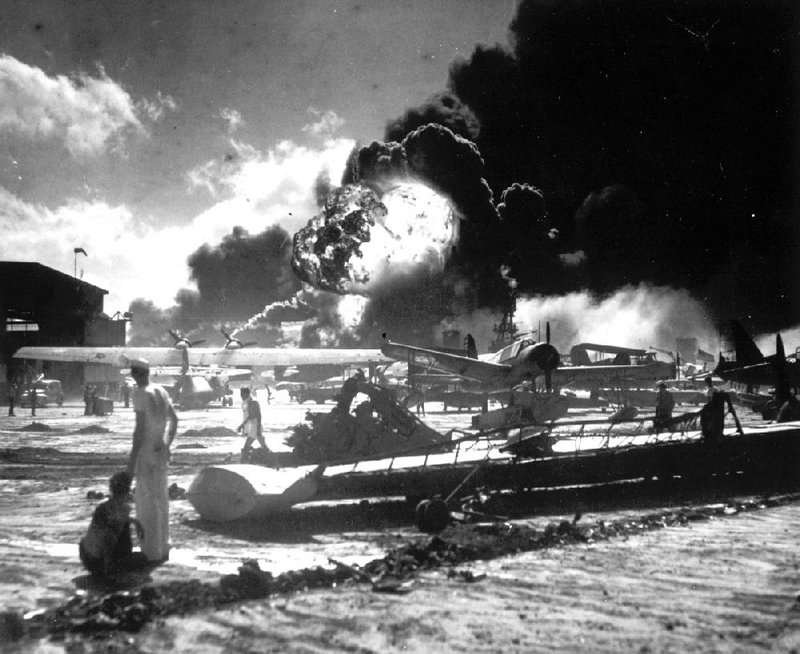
(443, 109)
(661, 135)
(235, 279)
(241, 274)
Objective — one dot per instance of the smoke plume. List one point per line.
(642, 316)
(657, 133)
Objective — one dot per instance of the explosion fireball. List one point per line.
(361, 241)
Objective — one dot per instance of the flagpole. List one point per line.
(75, 260)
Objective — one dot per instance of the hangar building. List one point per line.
(42, 306)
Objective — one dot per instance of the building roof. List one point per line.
(16, 270)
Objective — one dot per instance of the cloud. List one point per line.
(126, 256)
(233, 118)
(132, 258)
(327, 123)
(256, 189)
(155, 109)
(90, 114)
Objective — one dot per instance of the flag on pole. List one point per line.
(81, 250)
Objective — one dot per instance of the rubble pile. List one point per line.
(37, 426)
(378, 426)
(129, 610)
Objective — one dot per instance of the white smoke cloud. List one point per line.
(640, 316)
(88, 113)
(634, 316)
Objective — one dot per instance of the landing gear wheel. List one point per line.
(432, 516)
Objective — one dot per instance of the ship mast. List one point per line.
(506, 331)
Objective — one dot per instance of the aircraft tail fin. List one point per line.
(472, 349)
(579, 357)
(738, 341)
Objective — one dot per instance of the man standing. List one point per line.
(712, 415)
(12, 398)
(664, 405)
(251, 423)
(149, 460)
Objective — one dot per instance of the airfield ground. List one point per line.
(720, 579)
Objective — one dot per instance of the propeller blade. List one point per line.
(548, 380)
(250, 344)
(225, 334)
(547, 330)
(193, 343)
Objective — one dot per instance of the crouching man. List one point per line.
(106, 549)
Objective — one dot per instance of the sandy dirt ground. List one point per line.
(726, 580)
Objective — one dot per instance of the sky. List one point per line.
(630, 169)
(139, 131)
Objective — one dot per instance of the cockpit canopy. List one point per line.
(511, 351)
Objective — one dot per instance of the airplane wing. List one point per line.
(593, 375)
(465, 367)
(116, 356)
(170, 356)
(196, 371)
(279, 356)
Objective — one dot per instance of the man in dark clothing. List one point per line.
(712, 415)
(664, 406)
(106, 548)
(349, 390)
(87, 400)
(12, 398)
(789, 411)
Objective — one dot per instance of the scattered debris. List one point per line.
(190, 446)
(466, 575)
(378, 426)
(129, 610)
(37, 426)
